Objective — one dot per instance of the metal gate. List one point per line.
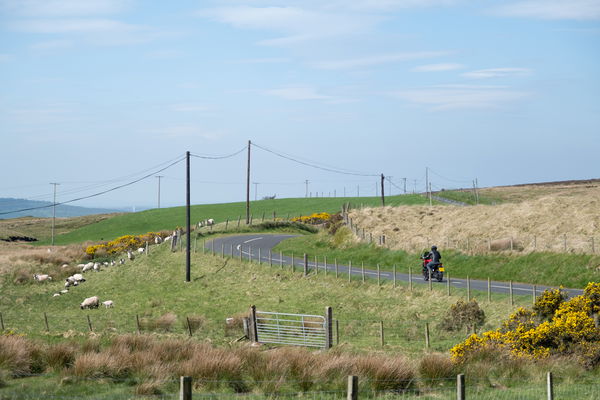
(292, 329)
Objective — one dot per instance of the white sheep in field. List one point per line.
(157, 240)
(70, 283)
(87, 267)
(42, 277)
(64, 291)
(206, 222)
(90, 302)
(56, 295)
(167, 238)
(97, 266)
(130, 255)
(121, 261)
(74, 280)
(108, 303)
(65, 266)
(112, 263)
(141, 250)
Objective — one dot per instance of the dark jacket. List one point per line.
(435, 256)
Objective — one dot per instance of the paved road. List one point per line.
(258, 246)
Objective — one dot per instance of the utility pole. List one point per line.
(187, 217)
(159, 176)
(382, 193)
(255, 191)
(54, 210)
(404, 185)
(306, 183)
(476, 191)
(248, 187)
(430, 201)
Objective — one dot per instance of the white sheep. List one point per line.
(157, 240)
(42, 277)
(65, 266)
(90, 302)
(64, 291)
(105, 263)
(97, 266)
(141, 250)
(112, 263)
(121, 261)
(210, 222)
(87, 267)
(56, 295)
(108, 303)
(130, 255)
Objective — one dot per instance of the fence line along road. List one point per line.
(258, 248)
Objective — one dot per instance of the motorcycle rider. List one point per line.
(435, 257)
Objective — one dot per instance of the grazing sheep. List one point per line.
(157, 240)
(87, 267)
(130, 255)
(121, 261)
(65, 266)
(97, 266)
(141, 250)
(74, 280)
(80, 265)
(56, 295)
(65, 291)
(108, 303)
(90, 302)
(112, 263)
(210, 222)
(105, 263)
(42, 277)
(167, 238)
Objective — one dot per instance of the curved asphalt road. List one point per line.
(258, 246)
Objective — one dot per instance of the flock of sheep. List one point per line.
(77, 279)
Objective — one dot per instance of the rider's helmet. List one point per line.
(433, 247)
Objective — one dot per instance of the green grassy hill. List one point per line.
(170, 218)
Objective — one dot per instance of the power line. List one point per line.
(99, 193)
(448, 179)
(335, 170)
(219, 157)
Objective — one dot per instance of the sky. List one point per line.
(96, 94)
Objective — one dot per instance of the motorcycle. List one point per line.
(437, 270)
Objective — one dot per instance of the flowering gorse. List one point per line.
(555, 326)
(315, 218)
(123, 243)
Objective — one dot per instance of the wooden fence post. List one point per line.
(350, 271)
(427, 342)
(316, 265)
(212, 246)
(460, 387)
(250, 254)
(270, 258)
(281, 259)
(226, 223)
(241, 252)
(203, 246)
(195, 244)
(336, 267)
(46, 321)
(305, 264)
(410, 285)
(137, 323)
(429, 280)
(489, 290)
(394, 275)
(89, 323)
(329, 325)
(468, 288)
(259, 257)
(222, 250)
(185, 388)
(253, 330)
(533, 294)
(293, 266)
(352, 388)
(378, 275)
(231, 250)
(381, 336)
(147, 248)
(239, 218)
(510, 289)
(1, 322)
(362, 271)
(448, 284)
(549, 386)
(325, 264)
(263, 217)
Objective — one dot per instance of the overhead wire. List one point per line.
(219, 157)
(448, 179)
(313, 165)
(99, 193)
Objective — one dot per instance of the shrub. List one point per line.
(436, 366)
(60, 356)
(313, 219)
(548, 302)
(463, 314)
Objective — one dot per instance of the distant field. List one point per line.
(171, 218)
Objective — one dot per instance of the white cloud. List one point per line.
(551, 9)
(63, 8)
(451, 97)
(377, 59)
(497, 73)
(295, 24)
(187, 131)
(438, 67)
(298, 93)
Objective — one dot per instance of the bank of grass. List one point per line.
(552, 269)
(153, 289)
(171, 218)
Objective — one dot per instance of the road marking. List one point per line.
(252, 240)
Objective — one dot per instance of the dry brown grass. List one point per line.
(437, 366)
(16, 256)
(541, 222)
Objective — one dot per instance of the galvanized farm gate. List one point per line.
(291, 329)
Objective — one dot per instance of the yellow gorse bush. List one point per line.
(533, 334)
(123, 243)
(315, 218)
